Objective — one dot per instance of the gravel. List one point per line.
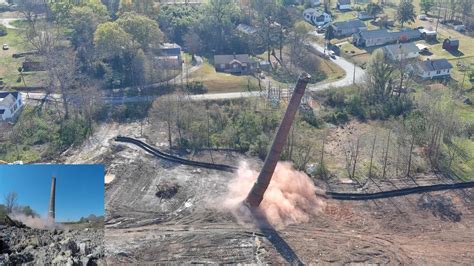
(57, 246)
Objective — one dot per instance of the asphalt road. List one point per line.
(353, 73)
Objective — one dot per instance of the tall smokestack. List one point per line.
(255, 196)
(52, 199)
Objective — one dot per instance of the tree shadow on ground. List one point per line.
(277, 241)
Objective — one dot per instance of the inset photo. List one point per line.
(51, 214)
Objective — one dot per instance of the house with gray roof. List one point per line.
(369, 38)
(436, 68)
(347, 28)
(10, 104)
(402, 51)
(235, 64)
(344, 5)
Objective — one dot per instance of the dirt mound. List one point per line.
(440, 206)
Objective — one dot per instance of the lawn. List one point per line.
(9, 65)
(217, 82)
(463, 164)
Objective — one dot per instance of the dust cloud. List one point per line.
(290, 198)
(35, 222)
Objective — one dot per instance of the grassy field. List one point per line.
(221, 82)
(463, 164)
(9, 65)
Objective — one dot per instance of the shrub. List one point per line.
(3, 30)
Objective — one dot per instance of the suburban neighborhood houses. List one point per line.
(10, 105)
(402, 51)
(235, 64)
(436, 68)
(242, 132)
(347, 28)
(369, 38)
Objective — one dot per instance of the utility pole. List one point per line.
(439, 14)
(354, 75)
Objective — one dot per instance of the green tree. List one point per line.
(426, 5)
(28, 211)
(3, 30)
(148, 8)
(175, 21)
(111, 40)
(143, 30)
(216, 24)
(379, 76)
(83, 22)
(373, 9)
(406, 12)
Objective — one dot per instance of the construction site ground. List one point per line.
(157, 211)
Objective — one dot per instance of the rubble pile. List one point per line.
(56, 246)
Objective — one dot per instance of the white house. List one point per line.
(402, 51)
(10, 104)
(437, 68)
(316, 17)
(344, 5)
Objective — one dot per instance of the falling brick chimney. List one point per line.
(255, 196)
(52, 199)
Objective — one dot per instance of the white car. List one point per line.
(5, 46)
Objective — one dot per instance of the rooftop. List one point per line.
(349, 24)
(225, 59)
(436, 64)
(382, 33)
(344, 2)
(406, 48)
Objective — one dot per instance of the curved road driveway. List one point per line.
(348, 79)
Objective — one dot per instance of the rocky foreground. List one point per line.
(57, 246)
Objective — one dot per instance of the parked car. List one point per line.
(332, 54)
(5, 46)
(422, 17)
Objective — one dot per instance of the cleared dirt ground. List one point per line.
(158, 211)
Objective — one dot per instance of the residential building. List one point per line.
(428, 35)
(451, 44)
(369, 38)
(402, 51)
(347, 28)
(10, 104)
(364, 15)
(170, 50)
(235, 64)
(344, 5)
(316, 17)
(437, 68)
(246, 29)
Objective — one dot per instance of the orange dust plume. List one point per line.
(290, 198)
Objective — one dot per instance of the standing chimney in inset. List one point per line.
(255, 197)
(52, 198)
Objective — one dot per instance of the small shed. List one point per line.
(451, 44)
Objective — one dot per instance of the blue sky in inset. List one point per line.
(79, 188)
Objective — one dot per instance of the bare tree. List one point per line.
(352, 154)
(386, 155)
(11, 201)
(62, 74)
(372, 155)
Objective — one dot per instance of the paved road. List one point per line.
(352, 73)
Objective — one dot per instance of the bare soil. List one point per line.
(160, 212)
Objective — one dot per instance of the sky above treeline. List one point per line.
(79, 188)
